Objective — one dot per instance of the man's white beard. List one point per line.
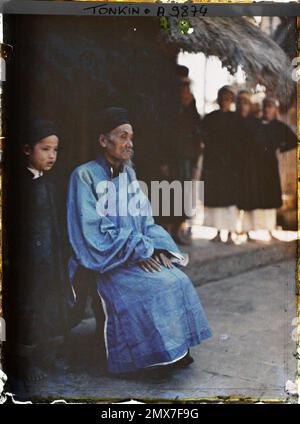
(129, 163)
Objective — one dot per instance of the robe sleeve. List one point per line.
(288, 139)
(161, 239)
(97, 243)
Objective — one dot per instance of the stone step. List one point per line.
(211, 261)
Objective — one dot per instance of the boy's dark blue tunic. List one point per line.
(151, 318)
(38, 276)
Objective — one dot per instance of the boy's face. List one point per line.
(42, 156)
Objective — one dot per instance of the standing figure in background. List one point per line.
(36, 298)
(223, 134)
(263, 194)
(182, 153)
(249, 185)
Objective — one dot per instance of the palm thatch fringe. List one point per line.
(238, 41)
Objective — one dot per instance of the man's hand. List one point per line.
(150, 265)
(164, 260)
(154, 264)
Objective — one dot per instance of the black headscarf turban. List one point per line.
(112, 118)
(37, 130)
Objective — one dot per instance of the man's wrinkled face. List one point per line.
(269, 111)
(42, 156)
(118, 143)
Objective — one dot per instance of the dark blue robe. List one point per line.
(223, 137)
(151, 318)
(260, 185)
(38, 289)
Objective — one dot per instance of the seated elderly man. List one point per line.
(152, 312)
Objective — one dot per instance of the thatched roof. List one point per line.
(286, 34)
(238, 41)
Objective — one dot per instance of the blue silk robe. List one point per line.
(151, 318)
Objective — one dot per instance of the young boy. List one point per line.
(37, 299)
